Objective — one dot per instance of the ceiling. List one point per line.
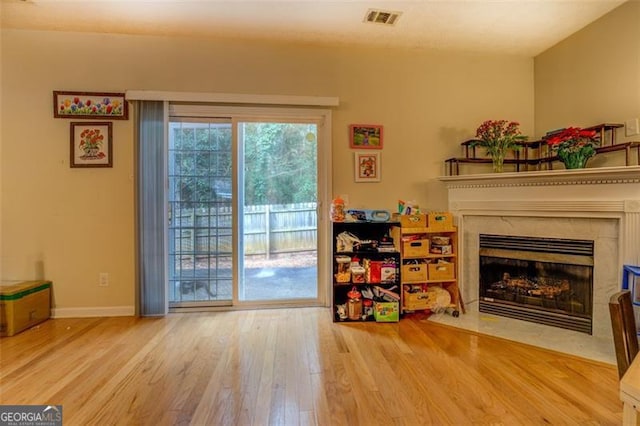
(521, 27)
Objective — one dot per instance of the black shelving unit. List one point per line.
(383, 272)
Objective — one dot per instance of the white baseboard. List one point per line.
(98, 311)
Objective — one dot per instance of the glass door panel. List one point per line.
(278, 196)
(200, 213)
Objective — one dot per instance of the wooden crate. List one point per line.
(441, 271)
(414, 272)
(411, 220)
(415, 248)
(441, 220)
(418, 301)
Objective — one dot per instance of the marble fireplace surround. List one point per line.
(601, 204)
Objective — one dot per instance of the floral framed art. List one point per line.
(91, 144)
(367, 166)
(109, 106)
(365, 136)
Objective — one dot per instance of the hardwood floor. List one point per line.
(295, 367)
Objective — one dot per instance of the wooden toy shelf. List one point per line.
(421, 267)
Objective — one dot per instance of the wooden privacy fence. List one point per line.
(268, 229)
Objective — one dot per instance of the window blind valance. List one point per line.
(231, 98)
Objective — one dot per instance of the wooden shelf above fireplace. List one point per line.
(536, 155)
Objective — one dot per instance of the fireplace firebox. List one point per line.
(543, 280)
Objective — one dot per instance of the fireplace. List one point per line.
(543, 280)
(596, 204)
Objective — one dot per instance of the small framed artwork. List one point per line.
(91, 144)
(365, 136)
(367, 166)
(108, 106)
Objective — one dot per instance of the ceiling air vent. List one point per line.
(382, 17)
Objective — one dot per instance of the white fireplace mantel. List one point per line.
(602, 175)
(607, 192)
(602, 191)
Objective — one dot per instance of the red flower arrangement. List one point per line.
(574, 146)
(492, 131)
(497, 137)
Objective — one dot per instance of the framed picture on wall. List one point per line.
(365, 136)
(108, 106)
(91, 144)
(367, 166)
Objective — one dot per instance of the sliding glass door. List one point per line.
(243, 211)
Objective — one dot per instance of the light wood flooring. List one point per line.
(296, 367)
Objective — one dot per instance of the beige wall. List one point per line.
(592, 77)
(68, 225)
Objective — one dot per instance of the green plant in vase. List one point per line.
(574, 146)
(497, 137)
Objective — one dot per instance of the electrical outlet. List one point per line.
(631, 127)
(104, 279)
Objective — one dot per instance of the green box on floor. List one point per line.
(23, 304)
(386, 311)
